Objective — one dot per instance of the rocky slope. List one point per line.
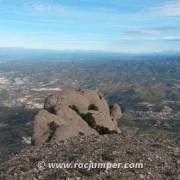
(160, 156)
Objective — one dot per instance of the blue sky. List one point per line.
(104, 25)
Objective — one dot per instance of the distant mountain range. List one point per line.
(43, 54)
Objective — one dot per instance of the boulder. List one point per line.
(72, 113)
(49, 127)
(116, 112)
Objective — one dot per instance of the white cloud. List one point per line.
(142, 31)
(172, 38)
(171, 8)
(75, 11)
(52, 8)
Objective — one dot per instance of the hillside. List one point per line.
(145, 87)
(159, 155)
(80, 127)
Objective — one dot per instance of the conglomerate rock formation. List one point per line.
(72, 113)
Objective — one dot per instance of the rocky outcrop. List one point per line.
(116, 112)
(49, 127)
(72, 113)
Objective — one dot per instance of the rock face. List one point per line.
(72, 113)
